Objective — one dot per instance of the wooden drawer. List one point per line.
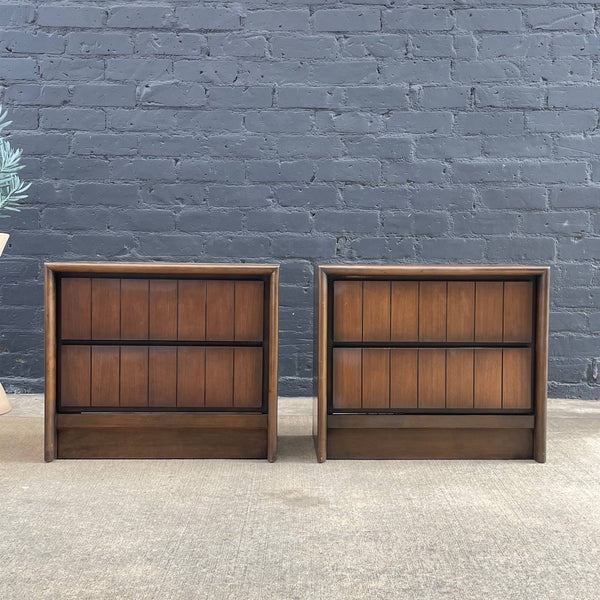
(160, 377)
(433, 311)
(432, 378)
(106, 308)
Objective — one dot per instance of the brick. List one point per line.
(360, 171)
(303, 47)
(241, 97)
(353, 222)
(39, 95)
(574, 97)
(141, 120)
(138, 69)
(560, 18)
(485, 71)
(169, 94)
(576, 146)
(484, 172)
(86, 119)
(150, 169)
(208, 18)
(30, 42)
(278, 72)
(554, 172)
(193, 220)
(240, 146)
(558, 70)
(72, 69)
(417, 71)
(374, 45)
(313, 196)
(166, 43)
(379, 147)
(411, 223)
(525, 249)
(445, 97)
(575, 44)
(109, 144)
(432, 45)
(484, 223)
(242, 245)
(514, 46)
(211, 170)
(510, 97)
(255, 196)
(527, 198)
(133, 17)
(448, 147)
(420, 122)
(99, 43)
(490, 123)
(16, 14)
(237, 45)
(309, 146)
(561, 121)
(489, 19)
(417, 19)
(210, 120)
(280, 171)
(316, 246)
(423, 171)
(531, 146)
(381, 197)
(17, 69)
(278, 20)
(93, 246)
(342, 19)
(278, 221)
(100, 94)
(71, 16)
(341, 72)
(347, 122)
(279, 122)
(105, 194)
(575, 197)
(377, 97)
(215, 71)
(447, 249)
(561, 223)
(309, 97)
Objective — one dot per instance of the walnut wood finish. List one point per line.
(465, 342)
(161, 337)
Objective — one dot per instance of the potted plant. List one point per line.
(12, 191)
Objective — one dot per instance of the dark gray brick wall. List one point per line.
(306, 131)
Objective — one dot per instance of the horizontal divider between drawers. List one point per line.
(160, 420)
(417, 345)
(207, 343)
(429, 421)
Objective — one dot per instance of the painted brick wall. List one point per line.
(305, 131)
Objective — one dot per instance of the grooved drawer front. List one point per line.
(488, 378)
(376, 311)
(376, 378)
(247, 386)
(405, 311)
(518, 311)
(347, 311)
(489, 301)
(516, 378)
(461, 311)
(220, 313)
(191, 373)
(105, 376)
(163, 309)
(249, 308)
(403, 377)
(191, 310)
(134, 376)
(134, 309)
(162, 376)
(347, 377)
(432, 378)
(219, 377)
(459, 378)
(432, 311)
(76, 305)
(75, 367)
(106, 309)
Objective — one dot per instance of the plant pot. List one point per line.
(4, 403)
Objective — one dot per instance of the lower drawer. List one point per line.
(432, 378)
(160, 377)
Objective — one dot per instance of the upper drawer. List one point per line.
(433, 311)
(161, 309)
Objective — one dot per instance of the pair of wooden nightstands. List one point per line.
(180, 360)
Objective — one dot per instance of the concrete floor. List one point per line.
(295, 529)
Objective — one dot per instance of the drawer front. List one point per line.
(433, 311)
(432, 378)
(157, 377)
(102, 308)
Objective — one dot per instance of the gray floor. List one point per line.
(217, 529)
